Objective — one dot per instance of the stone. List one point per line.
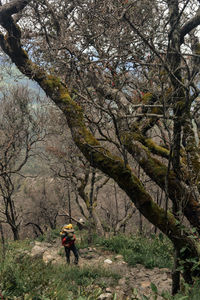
(122, 281)
(139, 266)
(89, 256)
(105, 296)
(165, 270)
(37, 251)
(119, 257)
(156, 270)
(108, 290)
(145, 284)
(38, 243)
(164, 277)
(43, 244)
(134, 272)
(108, 261)
(141, 274)
(47, 258)
(57, 260)
(83, 251)
(120, 295)
(49, 255)
(149, 272)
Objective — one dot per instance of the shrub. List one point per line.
(22, 275)
(49, 236)
(150, 252)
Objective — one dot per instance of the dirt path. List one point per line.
(136, 278)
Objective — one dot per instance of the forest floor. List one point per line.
(135, 280)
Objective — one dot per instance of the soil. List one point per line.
(135, 282)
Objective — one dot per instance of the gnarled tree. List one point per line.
(125, 68)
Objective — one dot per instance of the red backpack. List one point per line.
(68, 239)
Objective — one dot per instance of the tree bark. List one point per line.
(98, 155)
(15, 232)
(3, 242)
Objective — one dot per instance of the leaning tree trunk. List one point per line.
(97, 154)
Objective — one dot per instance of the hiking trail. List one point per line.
(137, 277)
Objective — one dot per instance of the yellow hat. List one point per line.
(69, 226)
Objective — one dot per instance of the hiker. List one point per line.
(68, 241)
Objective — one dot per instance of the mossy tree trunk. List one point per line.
(114, 166)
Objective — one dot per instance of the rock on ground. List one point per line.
(137, 279)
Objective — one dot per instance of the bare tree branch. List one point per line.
(190, 25)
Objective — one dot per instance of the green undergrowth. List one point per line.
(189, 293)
(24, 277)
(50, 236)
(28, 278)
(150, 252)
(154, 251)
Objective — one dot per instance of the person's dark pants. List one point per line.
(74, 250)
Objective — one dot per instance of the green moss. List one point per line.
(197, 49)
(155, 167)
(156, 110)
(156, 214)
(135, 135)
(180, 104)
(87, 203)
(88, 138)
(52, 82)
(147, 97)
(59, 93)
(156, 149)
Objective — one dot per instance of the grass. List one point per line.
(24, 277)
(49, 236)
(136, 249)
(189, 293)
(154, 251)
